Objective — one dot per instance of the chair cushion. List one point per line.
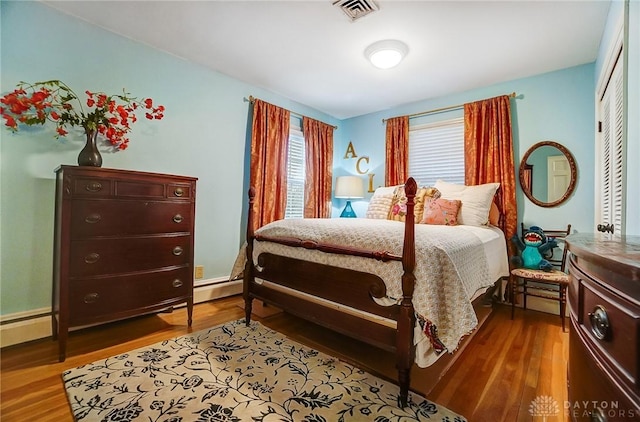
(553, 275)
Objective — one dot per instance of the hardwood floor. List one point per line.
(506, 366)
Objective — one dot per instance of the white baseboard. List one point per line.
(216, 289)
(543, 305)
(21, 327)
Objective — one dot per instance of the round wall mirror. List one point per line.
(548, 174)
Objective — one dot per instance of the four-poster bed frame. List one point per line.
(348, 287)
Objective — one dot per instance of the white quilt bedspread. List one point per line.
(451, 265)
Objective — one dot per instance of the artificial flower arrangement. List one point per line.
(110, 115)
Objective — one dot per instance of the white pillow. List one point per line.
(380, 202)
(476, 201)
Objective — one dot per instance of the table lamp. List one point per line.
(349, 187)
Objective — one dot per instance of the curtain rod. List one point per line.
(438, 110)
(251, 99)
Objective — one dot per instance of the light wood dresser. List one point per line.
(123, 246)
(604, 336)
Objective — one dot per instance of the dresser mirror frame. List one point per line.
(526, 176)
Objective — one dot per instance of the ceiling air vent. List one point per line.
(356, 9)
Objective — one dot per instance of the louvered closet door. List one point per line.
(609, 154)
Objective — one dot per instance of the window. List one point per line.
(610, 152)
(436, 151)
(295, 175)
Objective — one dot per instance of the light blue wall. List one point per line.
(555, 106)
(203, 134)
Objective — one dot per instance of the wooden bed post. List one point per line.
(406, 320)
(248, 275)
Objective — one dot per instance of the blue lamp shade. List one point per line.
(349, 187)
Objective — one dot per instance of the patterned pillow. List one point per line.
(380, 202)
(423, 196)
(442, 212)
(476, 200)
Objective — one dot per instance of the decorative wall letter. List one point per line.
(360, 171)
(351, 153)
(371, 190)
(350, 150)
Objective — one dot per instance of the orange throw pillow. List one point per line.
(494, 215)
(442, 212)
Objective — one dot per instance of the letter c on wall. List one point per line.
(360, 171)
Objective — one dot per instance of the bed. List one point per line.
(403, 287)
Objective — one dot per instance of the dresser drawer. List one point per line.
(113, 256)
(93, 187)
(612, 327)
(120, 217)
(179, 191)
(591, 389)
(91, 300)
(151, 190)
(102, 187)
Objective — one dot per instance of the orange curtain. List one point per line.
(318, 142)
(489, 155)
(397, 151)
(269, 147)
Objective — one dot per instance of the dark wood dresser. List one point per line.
(604, 336)
(123, 246)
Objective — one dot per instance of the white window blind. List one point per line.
(295, 175)
(610, 171)
(436, 151)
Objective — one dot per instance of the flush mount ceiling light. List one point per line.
(386, 54)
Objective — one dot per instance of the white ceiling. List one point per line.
(310, 51)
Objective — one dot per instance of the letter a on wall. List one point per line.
(350, 150)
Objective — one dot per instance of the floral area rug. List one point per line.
(236, 373)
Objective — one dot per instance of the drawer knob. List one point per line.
(93, 187)
(178, 192)
(92, 258)
(91, 298)
(93, 218)
(597, 416)
(599, 322)
(177, 283)
(177, 251)
(177, 218)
